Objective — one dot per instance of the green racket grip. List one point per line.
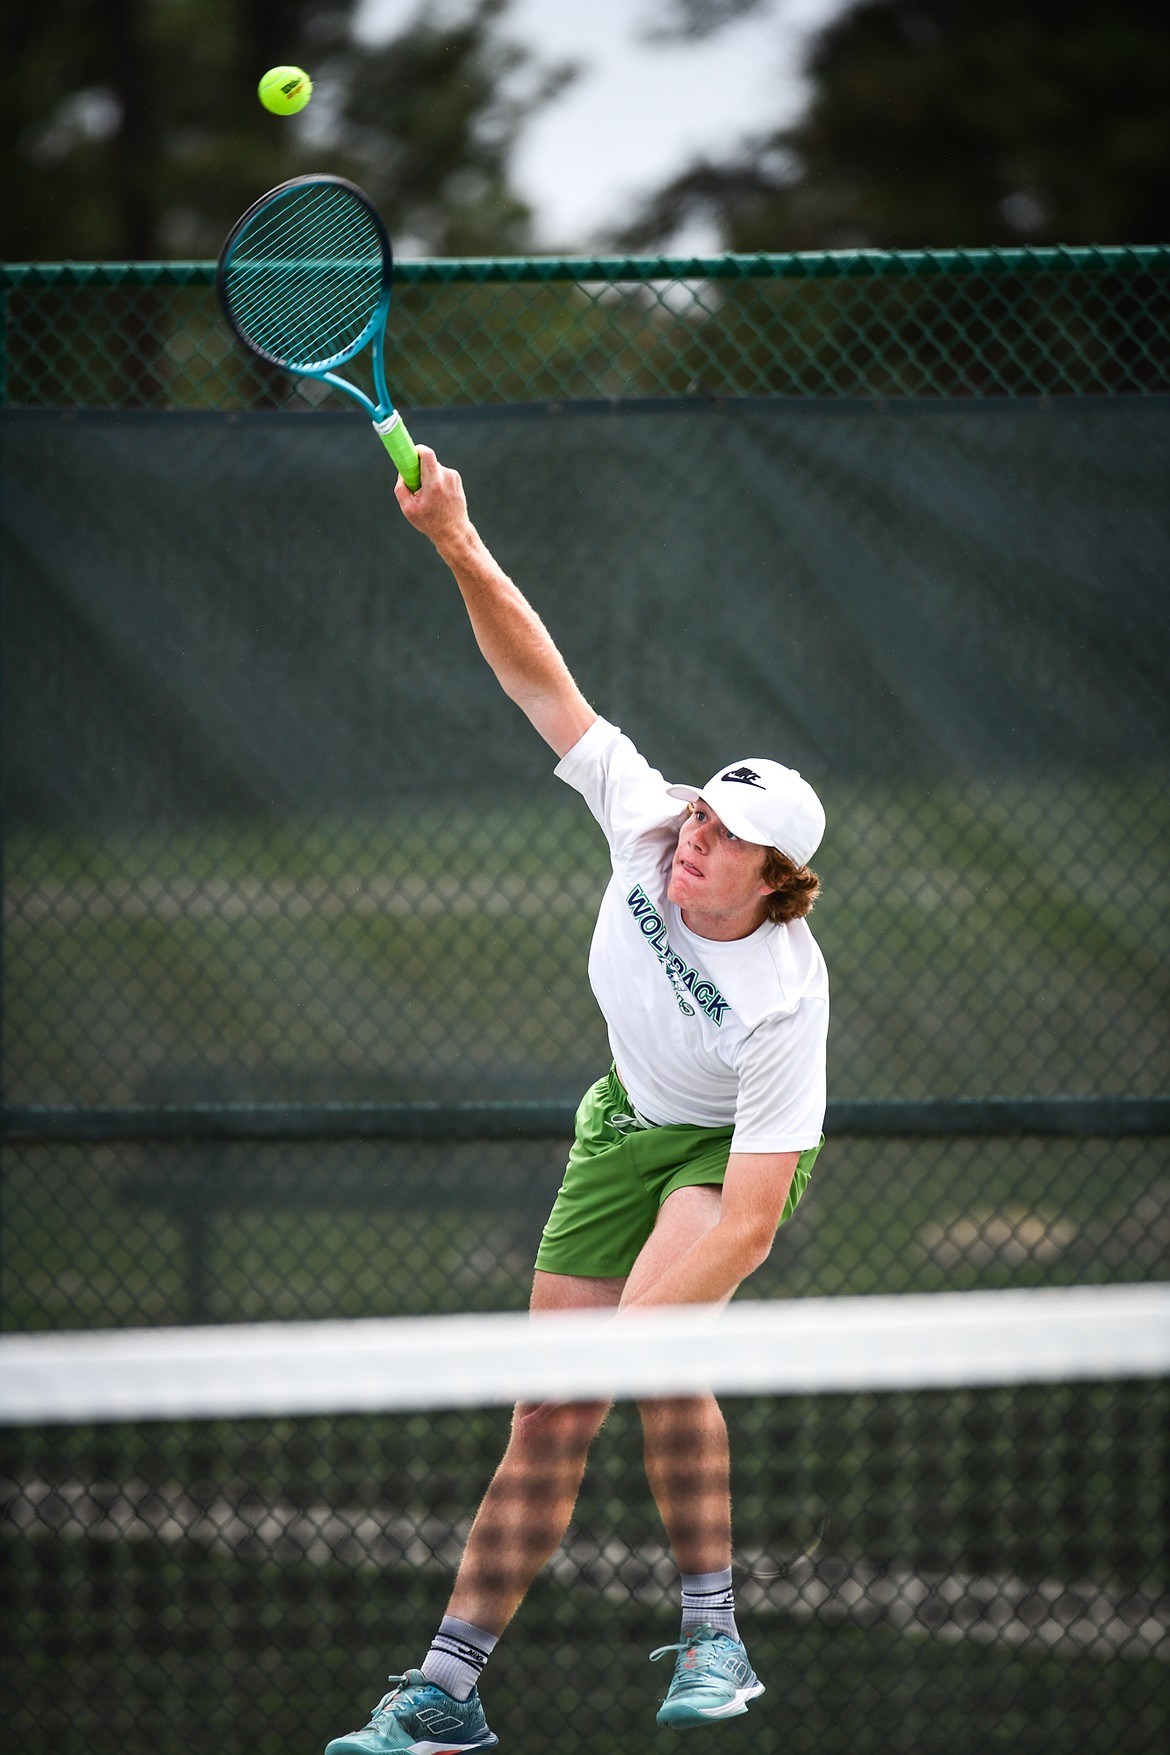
(400, 445)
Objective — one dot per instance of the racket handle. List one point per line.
(400, 445)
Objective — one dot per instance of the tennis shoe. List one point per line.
(712, 1679)
(419, 1717)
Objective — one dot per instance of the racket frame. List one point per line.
(388, 423)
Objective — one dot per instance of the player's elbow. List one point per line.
(751, 1240)
(761, 1249)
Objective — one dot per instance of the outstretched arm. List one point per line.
(509, 632)
(752, 1199)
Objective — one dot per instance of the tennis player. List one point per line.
(689, 1153)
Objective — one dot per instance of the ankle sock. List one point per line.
(458, 1653)
(710, 1597)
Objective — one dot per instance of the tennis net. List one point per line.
(952, 1518)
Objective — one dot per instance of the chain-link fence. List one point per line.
(295, 926)
(927, 1572)
(967, 323)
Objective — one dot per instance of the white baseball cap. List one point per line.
(764, 802)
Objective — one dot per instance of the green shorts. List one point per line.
(616, 1180)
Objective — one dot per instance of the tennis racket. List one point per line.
(304, 281)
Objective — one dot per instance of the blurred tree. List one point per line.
(430, 121)
(936, 122)
(131, 128)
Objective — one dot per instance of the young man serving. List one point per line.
(688, 1154)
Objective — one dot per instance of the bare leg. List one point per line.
(527, 1507)
(685, 1437)
(688, 1468)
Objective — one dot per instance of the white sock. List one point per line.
(458, 1654)
(710, 1597)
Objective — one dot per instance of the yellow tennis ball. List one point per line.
(285, 90)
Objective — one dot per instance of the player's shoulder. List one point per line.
(791, 968)
(625, 792)
(594, 743)
(603, 752)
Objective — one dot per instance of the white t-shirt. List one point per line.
(707, 1031)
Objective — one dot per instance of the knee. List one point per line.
(555, 1429)
(682, 1419)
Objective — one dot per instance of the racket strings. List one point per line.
(306, 276)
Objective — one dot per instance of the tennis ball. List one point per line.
(285, 90)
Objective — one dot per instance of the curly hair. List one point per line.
(795, 887)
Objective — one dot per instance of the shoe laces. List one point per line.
(398, 1686)
(702, 1639)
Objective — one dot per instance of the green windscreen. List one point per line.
(273, 832)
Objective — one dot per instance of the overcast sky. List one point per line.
(639, 111)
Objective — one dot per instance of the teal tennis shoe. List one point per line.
(419, 1717)
(712, 1679)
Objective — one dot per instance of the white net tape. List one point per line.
(920, 1341)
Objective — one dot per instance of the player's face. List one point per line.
(717, 879)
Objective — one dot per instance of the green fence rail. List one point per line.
(983, 1117)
